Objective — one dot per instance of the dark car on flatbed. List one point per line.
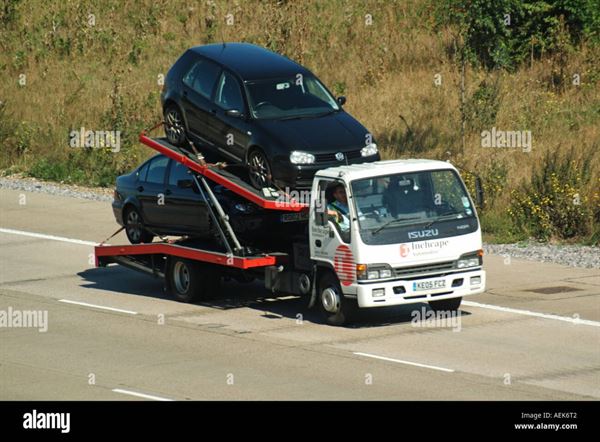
(261, 109)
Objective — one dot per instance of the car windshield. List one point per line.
(424, 199)
(287, 98)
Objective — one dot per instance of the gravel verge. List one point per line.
(569, 255)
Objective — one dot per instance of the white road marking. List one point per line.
(383, 358)
(142, 395)
(85, 304)
(51, 237)
(573, 320)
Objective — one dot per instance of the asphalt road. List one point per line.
(512, 342)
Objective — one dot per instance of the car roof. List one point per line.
(250, 62)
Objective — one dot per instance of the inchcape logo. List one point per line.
(11, 318)
(439, 244)
(428, 233)
(47, 421)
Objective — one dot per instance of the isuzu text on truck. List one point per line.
(372, 235)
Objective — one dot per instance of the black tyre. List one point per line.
(191, 281)
(336, 309)
(259, 169)
(174, 126)
(134, 227)
(446, 304)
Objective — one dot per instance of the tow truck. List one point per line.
(412, 235)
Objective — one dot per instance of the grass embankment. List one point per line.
(97, 64)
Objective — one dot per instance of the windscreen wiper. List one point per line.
(442, 218)
(393, 221)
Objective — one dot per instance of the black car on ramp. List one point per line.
(262, 109)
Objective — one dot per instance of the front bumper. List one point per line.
(393, 289)
(300, 176)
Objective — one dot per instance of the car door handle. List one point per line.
(185, 93)
(168, 192)
(140, 188)
(213, 111)
(318, 243)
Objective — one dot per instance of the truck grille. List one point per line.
(428, 268)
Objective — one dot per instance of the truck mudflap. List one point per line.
(429, 288)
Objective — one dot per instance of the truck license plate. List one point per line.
(429, 285)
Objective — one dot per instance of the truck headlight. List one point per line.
(470, 260)
(369, 150)
(372, 272)
(298, 157)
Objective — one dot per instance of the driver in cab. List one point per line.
(338, 210)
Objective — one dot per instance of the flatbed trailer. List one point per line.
(193, 268)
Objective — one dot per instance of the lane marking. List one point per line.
(383, 358)
(85, 304)
(142, 395)
(50, 237)
(572, 320)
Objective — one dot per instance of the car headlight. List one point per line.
(298, 157)
(379, 271)
(369, 150)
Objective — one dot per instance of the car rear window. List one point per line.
(156, 170)
(202, 77)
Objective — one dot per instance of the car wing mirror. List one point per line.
(185, 184)
(341, 100)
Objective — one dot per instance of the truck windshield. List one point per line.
(289, 98)
(400, 207)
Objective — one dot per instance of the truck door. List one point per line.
(330, 233)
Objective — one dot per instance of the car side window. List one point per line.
(157, 170)
(229, 95)
(178, 172)
(202, 77)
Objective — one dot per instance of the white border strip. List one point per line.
(534, 314)
(50, 237)
(142, 395)
(383, 358)
(85, 304)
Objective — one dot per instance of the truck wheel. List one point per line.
(446, 304)
(134, 227)
(336, 309)
(190, 281)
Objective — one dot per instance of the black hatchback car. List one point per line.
(262, 109)
(160, 198)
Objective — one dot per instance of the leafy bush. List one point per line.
(554, 204)
(504, 33)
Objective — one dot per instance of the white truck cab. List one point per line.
(407, 232)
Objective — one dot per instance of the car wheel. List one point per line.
(134, 227)
(259, 169)
(336, 309)
(174, 126)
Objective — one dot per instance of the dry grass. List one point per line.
(104, 77)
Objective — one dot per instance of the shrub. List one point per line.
(554, 204)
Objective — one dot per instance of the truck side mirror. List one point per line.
(479, 196)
